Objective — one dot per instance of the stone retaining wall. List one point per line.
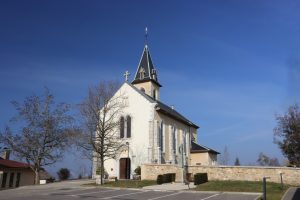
(151, 171)
(244, 173)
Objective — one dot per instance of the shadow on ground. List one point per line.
(296, 194)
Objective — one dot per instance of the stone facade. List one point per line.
(244, 173)
(151, 171)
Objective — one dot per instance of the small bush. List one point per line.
(98, 172)
(169, 177)
(137, 170)
(159, 179)
(166, 178)
(200, 178)
(173, 177)
(63, 174)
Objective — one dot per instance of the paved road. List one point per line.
(74, 190)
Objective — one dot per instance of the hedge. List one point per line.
(200, 178)
(166, 178)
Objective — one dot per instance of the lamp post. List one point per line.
(265, 187)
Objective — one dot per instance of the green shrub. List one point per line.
(159, 179)
(98, 171)
(169, 177)
(166, 178)
(200, 178)
(137, 170)
(63, 174)
(173, 177)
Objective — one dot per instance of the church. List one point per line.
(153, 131)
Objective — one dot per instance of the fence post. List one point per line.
(281, 181)
(265, 187)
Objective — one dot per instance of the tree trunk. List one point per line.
(36, 177)
(102, 171)
(102, 157)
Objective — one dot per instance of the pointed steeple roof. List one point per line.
(145, 71)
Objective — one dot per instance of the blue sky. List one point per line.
(229, 66)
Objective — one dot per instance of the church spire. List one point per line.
(145, 78)
(146, 71)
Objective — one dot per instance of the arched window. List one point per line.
(154, 94)
(128, 123)
(122, 127)
(143, 89)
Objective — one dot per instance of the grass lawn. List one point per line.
(274, 190)
(126, 183)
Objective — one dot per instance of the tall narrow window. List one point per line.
(154, 94)
(174, 139)
(187, 142)
(128, 122)
(122, 127)
(184, 142)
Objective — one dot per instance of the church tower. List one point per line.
(145, 78)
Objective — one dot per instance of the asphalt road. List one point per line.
(73, 190)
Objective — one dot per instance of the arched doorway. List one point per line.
(124, 168)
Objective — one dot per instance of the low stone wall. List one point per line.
(244, 173)
(151, 171)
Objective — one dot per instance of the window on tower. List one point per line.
(154, 94)
(142, 73)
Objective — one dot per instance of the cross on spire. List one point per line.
(126, 75)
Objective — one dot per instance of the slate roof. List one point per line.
(197, 148)
(147, 66)
(12, 164)
(167, 110)
(161, 107)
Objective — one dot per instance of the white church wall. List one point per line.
(141, 112)
(181, 128)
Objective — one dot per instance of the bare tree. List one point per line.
(225, 158)
(101, 110)
(265, 160)
(43, 131)
(287, 134)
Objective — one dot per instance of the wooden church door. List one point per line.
(125, 168)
